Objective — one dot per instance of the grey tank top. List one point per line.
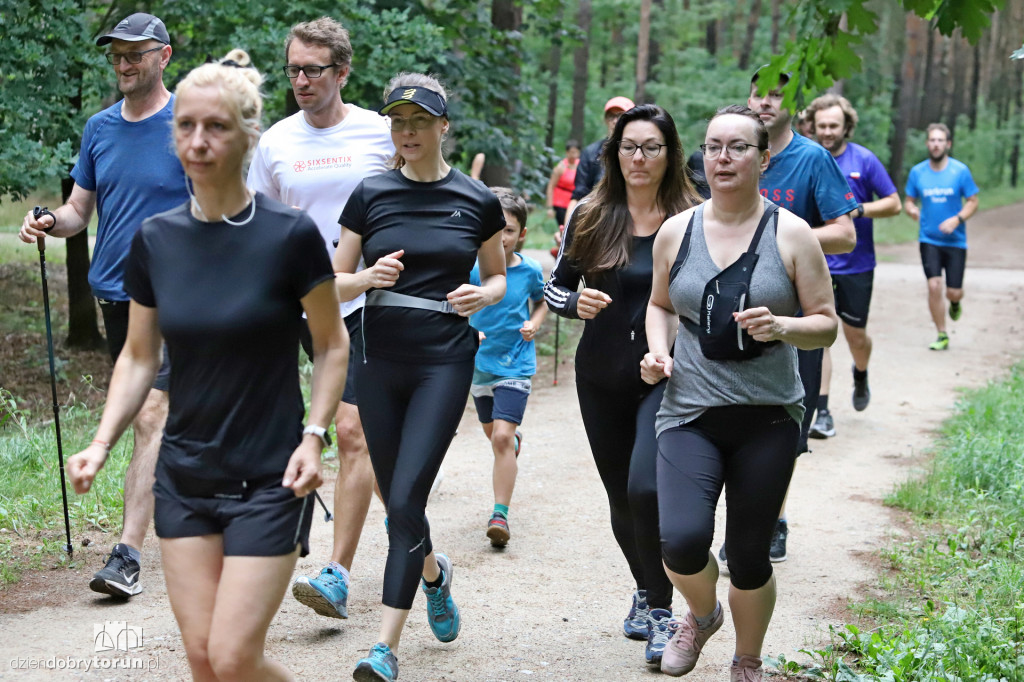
(698, 383)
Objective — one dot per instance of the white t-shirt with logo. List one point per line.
(316, 169)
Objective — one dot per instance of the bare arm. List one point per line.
(949, 225)
(349, 283)
(330, 365)
(72, 218)
(532, 326)
(133, 376)
(970, 207)
(886, 207)
(806, 265)
(552, 182)
(837, 235)
(662, 323)
(910, 204)
(469, 298)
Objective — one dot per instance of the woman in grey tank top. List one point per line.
(730, 423)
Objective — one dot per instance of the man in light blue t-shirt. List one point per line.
(948, 197)
(127, 171)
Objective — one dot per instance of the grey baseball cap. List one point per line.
(137, 27)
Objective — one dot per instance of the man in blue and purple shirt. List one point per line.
(853, 273)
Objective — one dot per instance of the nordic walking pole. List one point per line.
(37, 213)
(557, 318)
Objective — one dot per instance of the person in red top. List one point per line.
(563, 182)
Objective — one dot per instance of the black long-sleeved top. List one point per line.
(589, 171)
(615, 341)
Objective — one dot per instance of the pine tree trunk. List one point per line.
(554, 66)
(506, 17)
(580, 75)
(642, 51)
(776, 22)
(748, 44)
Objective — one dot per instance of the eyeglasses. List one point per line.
(414, 122)
(311, 70)
(650, 150)
(736, 149)
(131, 57)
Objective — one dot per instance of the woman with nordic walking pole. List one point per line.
(224, 280)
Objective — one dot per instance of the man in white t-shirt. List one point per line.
(313, 160)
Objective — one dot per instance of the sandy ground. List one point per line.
(552, 604)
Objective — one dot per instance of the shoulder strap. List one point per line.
(684, 247)
(770, 211)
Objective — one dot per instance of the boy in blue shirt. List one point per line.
(948, 197)
(507, 359)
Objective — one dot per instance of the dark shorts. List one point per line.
(935, 259)
(354, 324)
(853, 297)
(505, 400)
(115, 322)
(255, 518)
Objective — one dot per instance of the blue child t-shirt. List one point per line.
(941, 195)
(869, 181)
(132, 168)
(805, 179)
(504, 352)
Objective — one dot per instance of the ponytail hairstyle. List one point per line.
(239, 86)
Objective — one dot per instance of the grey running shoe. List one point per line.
(683, 649)
(747, 669)
(120, 576)
(777, 553)
(861, 392)
(823, 426)
(635, 625)
(657, 637)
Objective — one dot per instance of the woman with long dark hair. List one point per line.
(607, 246)
(422, 226)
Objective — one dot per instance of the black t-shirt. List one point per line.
(228, 302)
(441, 226)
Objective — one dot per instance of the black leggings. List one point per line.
(620, 428)
(750, 450)
(809, 363)
(410, 412)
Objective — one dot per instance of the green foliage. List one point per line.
(954, 610)
(40, 68)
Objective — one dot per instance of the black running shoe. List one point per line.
(861, 392)
(777, 552)
(120, 577)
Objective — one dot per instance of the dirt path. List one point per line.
(551, 606)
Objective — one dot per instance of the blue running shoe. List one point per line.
(381, 664)
(635, 625)
(658, 637)
(327, 594)
(442, 613)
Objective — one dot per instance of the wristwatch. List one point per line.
(860, 211)
(960, 219)
(320, 432)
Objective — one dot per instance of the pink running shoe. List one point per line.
(748, 669)
(684, 648)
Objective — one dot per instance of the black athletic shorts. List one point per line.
(256, 518)
(935, 259)
(853, 297)
(115, 322)
(354, 324)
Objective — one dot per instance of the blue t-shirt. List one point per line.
(869, 181)
(805, 179)
(941, 194)
(504, 352)
(132, 168)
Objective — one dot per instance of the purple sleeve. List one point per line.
(878, 180)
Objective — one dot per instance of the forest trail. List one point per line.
(550, 607)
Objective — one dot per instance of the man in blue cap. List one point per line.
(127, 171)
